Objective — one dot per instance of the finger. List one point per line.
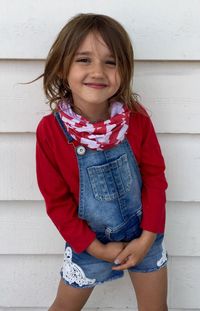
(127, 264)
(122, 256)
(124, 266)
(121, 267)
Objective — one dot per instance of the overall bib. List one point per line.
(110, 202)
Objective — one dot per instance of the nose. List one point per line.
(97, 70)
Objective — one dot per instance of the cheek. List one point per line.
(73, 81)
(74, 75)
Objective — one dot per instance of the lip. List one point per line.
(96, 85)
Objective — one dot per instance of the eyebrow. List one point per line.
(90, 53)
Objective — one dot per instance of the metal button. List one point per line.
(80, 150)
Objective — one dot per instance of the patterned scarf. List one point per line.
(100, 135)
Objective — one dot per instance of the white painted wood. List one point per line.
(25, 228)
(23, 105)
(182, 229)
(29, 281)
(170, 92)
(17, 162)
(184, 282)
(160, 30)
(29, 230)
(182, 157)
(18, 180)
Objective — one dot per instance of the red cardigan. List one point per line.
(58, 178)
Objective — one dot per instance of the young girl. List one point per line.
(100, 168)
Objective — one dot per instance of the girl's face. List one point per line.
(93, 76)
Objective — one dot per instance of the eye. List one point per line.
(111, 62)
(83, 60)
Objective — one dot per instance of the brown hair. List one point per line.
(68, 41)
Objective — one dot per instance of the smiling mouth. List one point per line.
(96, 85)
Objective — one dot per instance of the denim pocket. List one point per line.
(111, 180)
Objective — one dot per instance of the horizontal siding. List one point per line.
(170, 92)
(33, 232)
(31, 229)
(182, 157)
(184, 282)
(17, 163)
(32, 281)
(172, 34)
(182, 229)
(23, 104)
(17, 160)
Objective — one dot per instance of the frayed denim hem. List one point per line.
(147, 270)
(93, 285)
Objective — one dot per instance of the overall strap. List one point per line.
(61, 123)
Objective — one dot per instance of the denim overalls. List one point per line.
(110, 202)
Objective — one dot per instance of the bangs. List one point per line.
(112, 33)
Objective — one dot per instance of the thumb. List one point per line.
(121, 256)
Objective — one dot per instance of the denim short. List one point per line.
(83, 270)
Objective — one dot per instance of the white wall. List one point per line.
(166, 36)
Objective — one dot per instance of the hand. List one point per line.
(135, 251)
(107, 252)
(112, 250)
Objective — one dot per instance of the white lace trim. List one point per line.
(163, 259)
(72, 273)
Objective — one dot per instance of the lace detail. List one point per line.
(163, 259)
(72, 273)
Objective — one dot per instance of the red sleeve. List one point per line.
(60, 204)
(152, 169)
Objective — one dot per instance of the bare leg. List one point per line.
(69, 298)
(151, 290)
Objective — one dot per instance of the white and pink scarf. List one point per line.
(100, 135)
